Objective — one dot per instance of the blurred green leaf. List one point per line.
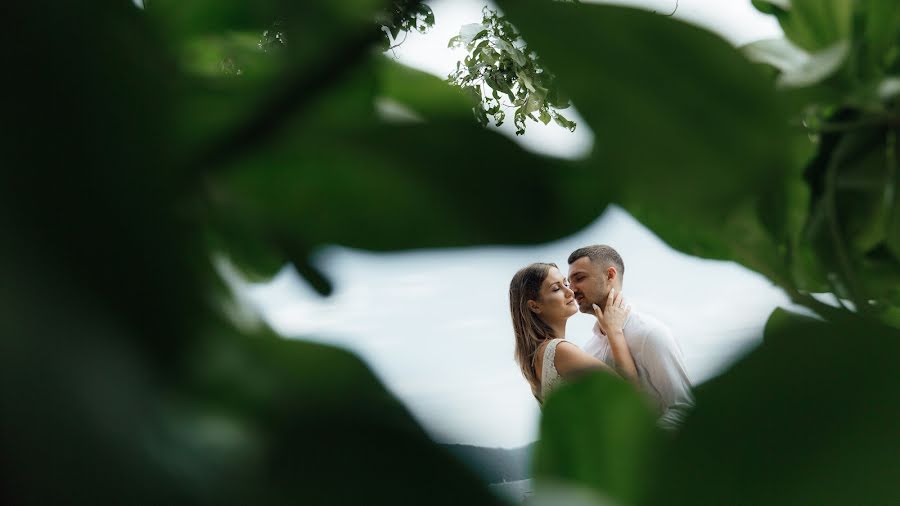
(123, 381)
(798, 68)
(600, 433)
(94, 188)
(427, 95)
(403, 16)
(860, 184)
(211, 56)
(293, 194)
(210, 17)
(120, 379)
(659, 95)
(300, 187)
(812, 24)
(803, 419)
(243, 419)
(881, 29)
(770, 6)
(320, 419)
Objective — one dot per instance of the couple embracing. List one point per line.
(626, 343)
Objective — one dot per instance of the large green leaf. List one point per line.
(324, 41)
(812, 24)
(690, 135)
(803, 419)
(798, 68)
(341, 175)
(303, 187)
(427, 95)
(243, 93)
(324, 429)
(599, 433)
(120, 380)
(87, 178)
(207, 17)
(215, 17)
(881, 29)
(245, 419)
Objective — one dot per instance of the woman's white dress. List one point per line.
(550, 378)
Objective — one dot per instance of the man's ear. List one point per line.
(611, 274)
(534, 307)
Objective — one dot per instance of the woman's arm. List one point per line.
(612, 321)
(571, 362)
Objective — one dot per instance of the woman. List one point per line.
(541, 303)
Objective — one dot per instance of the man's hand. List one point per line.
(612, 317)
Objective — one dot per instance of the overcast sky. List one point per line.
(435, 325)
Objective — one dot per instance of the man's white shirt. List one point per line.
(659, 362)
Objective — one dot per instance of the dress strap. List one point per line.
(549, 359)
(550, 354)
(550, 378)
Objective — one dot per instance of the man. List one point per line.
(593, 272)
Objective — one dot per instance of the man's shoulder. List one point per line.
(643, 328)
(593, 345)
(641, 323)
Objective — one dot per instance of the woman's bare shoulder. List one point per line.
(570, 358)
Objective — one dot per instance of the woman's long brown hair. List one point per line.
(529, 330)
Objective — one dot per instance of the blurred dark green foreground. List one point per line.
(129, 160)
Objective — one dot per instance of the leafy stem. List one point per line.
(891, 173)
(499, 64)
(845, 266)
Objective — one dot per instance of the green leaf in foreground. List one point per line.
(294, 193)
(812, 24)
(598, 433)
(691, 137)
(121, 382)
(809, 417)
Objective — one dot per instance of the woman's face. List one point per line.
(557, 301)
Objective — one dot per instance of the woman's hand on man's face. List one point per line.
(612, 317)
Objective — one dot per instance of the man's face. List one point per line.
(590, 284)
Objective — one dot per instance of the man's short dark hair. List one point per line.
(600, 254)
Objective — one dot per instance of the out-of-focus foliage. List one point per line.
(133, 161)
(404, 16)
(803, 419)
(788, 169)
(123, 379)
(847, 240)
(400, 16)
(608, 446)
(499, 66)
(658, 102)
(272, 38)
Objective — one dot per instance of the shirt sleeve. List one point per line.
(664, 365)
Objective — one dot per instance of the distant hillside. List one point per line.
(495, 465)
